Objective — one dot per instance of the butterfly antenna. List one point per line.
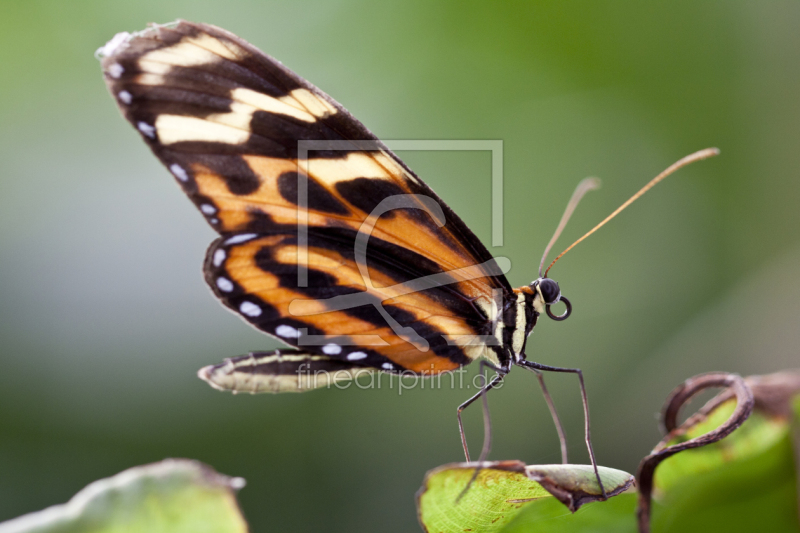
(697, 156)
(586, 185)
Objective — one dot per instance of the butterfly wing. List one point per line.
(262, 152)
(279, 371)
(406, 313)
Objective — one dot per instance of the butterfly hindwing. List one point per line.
(405, 314)
(280, 371)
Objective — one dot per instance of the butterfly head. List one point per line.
(547, 293)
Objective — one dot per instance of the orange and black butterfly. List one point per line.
(328, 241)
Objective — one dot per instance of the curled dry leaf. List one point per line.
(735, 386)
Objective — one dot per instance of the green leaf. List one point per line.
(175, 496)
(504, 489)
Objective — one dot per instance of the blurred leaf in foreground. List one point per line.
(175, 496)
(504, 489)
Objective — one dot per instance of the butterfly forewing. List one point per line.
(229, 123)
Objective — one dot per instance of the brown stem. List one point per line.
(677, 399)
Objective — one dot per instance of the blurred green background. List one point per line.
(105, 317)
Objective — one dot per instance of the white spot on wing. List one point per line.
(219, 257)
(125, 97)
(250, 309)
(242, 237)
(224, 284)
(147, 129)
(115, 70)
(356, 356)
(332, 349)
(178, 171)
(387, 366)
(208, 209)
(287, 332)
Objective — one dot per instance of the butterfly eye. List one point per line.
(550, 291)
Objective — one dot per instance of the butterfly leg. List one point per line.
(487, 423)
(536, 367)
(562, 437)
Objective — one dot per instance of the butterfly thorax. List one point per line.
(521, 309)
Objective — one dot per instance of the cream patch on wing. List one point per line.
(355, 165)
(319, 107)
(190, 52)
(239, 116)
(473, 346)
(212, 45)
(391, 166)
(153, 73)
(301, 104)
(232, 127)
(269, 104)
(154, 67)
(176, 128)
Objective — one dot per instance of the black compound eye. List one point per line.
(550, 290)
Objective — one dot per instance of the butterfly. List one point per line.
(327, 240)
